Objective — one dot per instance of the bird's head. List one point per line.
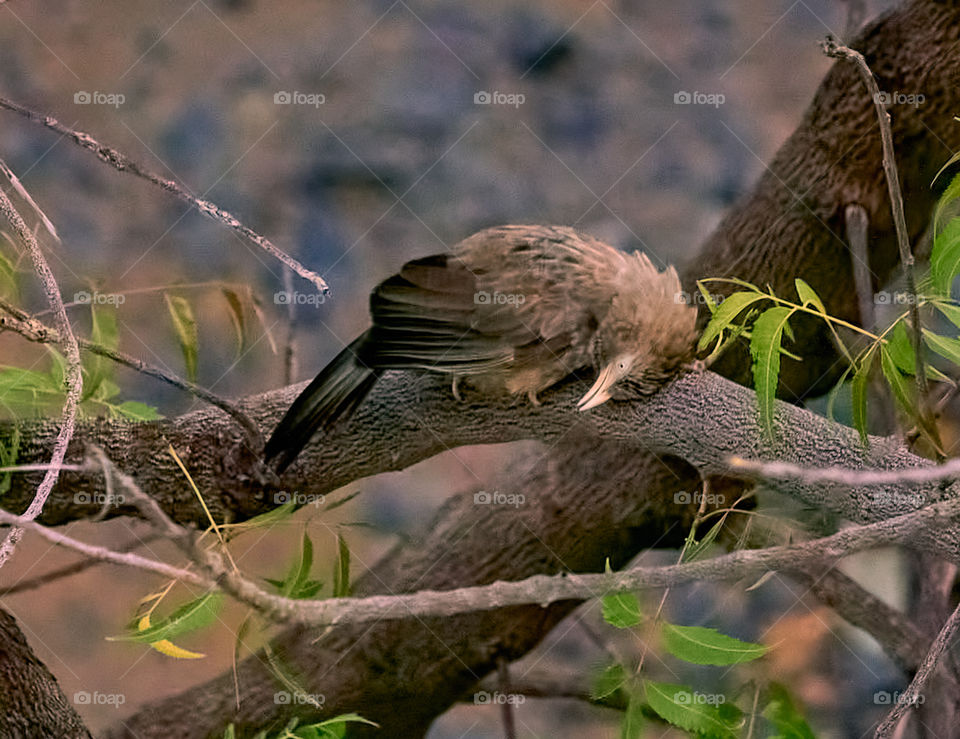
(647, 333)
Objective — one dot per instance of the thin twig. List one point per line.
(123, 163)
(837, 51)
(72, 376)
(844, 475)
(911, 696)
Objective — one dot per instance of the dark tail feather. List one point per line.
(335, 392)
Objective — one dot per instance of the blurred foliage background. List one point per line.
(398, 161)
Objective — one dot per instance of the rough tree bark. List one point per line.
(404, 673)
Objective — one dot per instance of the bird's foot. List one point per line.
(456, 390)
(532, 397)
(697, 365)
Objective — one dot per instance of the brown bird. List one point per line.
(511, 309)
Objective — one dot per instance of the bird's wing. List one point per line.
(479, 309)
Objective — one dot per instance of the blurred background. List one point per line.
(357, 136)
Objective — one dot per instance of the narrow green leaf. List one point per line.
(298, 574)
(341, 572)
(949, 195)
(808, 296)
(945, 257)
(703, 646)
(858, 392)
(902, 354)
(902, 390)
(784, 715)
(621, 610)
(730, 308)
(103, 331)
(943, 345)
(707, 297)
(697, 549)
(834, 392)
(680, 706)
(185, 325)
(951, 311)
(237, 317)
(765, 350)
(191, 616)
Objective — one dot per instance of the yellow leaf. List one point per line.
(167, 647)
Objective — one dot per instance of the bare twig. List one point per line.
(123, 163)
(72, 376)
(911, 696)
(842, 475)
(837, 51)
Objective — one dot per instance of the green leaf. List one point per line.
(696, 549)
(341, 571)
(609, 681)
(783, 714)
(103, 331)
(951, 311)
(834, 392)
(703, 646)
(951, 193)
(858, 392)
(808, 296)
(8, 278)
(707, 297)
(631, 725)
(191, 616)
(236, 317)
(902, 390)
(945, 257)
(943, 345)
(621, 610)
(680, 706)
(765, 350)
(137, 411)
(730, 308)
(185, 325)
(297, 578)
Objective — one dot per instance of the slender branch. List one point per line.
(72, 377)
(123, 163)
(911, 696)
(949, 470)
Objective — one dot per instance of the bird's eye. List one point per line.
(621, 366)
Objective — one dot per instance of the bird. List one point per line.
(510, 310)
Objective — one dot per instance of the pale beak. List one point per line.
(600, 392)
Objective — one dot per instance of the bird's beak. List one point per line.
(600, 392)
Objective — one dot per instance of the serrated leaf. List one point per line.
(858, 394)
(191, 616)
(901, 389)
(237, 318)
(185, 326)
(783, 714)
(702, 646)
(631, 725)
(609, 681)
(945, 257)
(765, 349)
(945, 346)
(728, 310)
(808, 296)
(621, 610)
(341, 570)
(680, 706)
